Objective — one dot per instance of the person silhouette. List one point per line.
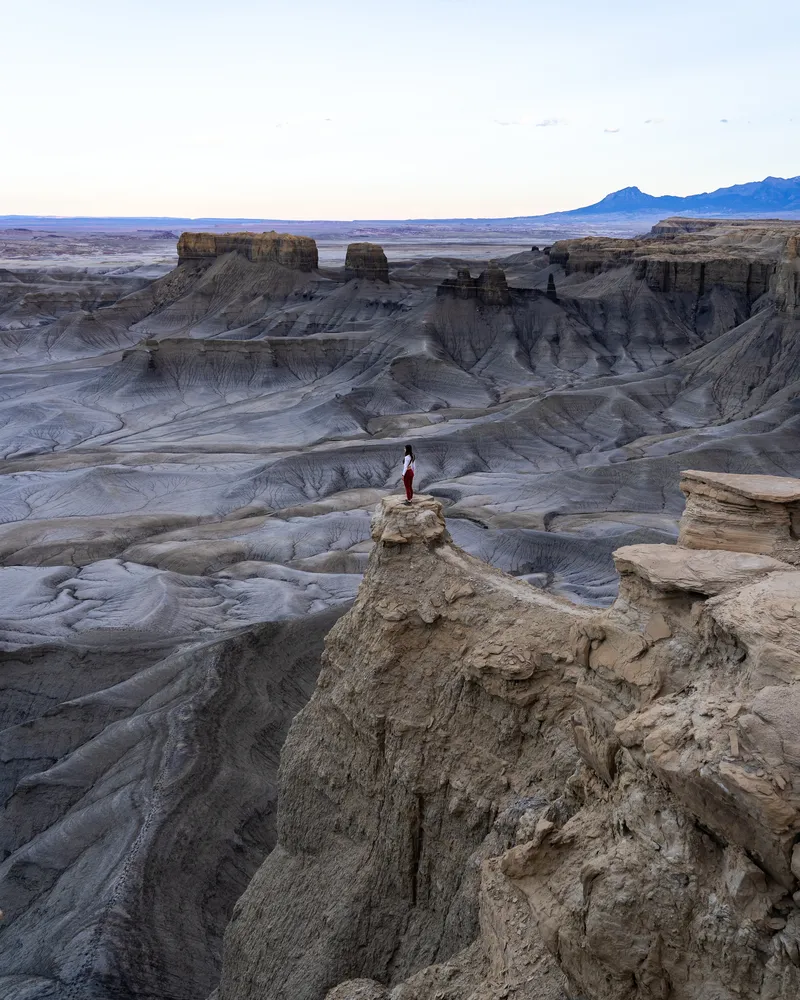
(409, 466)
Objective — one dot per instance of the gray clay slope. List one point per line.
(188, 458)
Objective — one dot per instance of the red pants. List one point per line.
(408, 477)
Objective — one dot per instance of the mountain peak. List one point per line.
(771, 195)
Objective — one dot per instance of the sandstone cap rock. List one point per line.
(774, 489)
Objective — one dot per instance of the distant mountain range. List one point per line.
(773, 195)
(619, 213)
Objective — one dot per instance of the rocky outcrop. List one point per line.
(394, 774)
(490, 287)
(493, 791)
(296, 252)
(366, 260)
(742, 514)
(746, 257)
(463, 286)
(493, 287)
(787, 285)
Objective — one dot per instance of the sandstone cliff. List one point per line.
(490, 287)
(366, 260)
(749, 258)
(296, 252)
(496, 792)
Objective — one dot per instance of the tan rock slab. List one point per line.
(671, 567)
(774, 489)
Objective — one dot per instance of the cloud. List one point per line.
(611, 130)
(527, 120)
(724, 121)
(654, 121)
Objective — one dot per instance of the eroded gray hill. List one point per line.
(191, 457)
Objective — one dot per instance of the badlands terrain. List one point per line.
(192, 451)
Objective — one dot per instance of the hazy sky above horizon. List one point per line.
(304, 109)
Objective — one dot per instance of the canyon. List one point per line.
(192, 458)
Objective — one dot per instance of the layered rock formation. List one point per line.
(496, 792)
(296, 252)
(490, 287)
(366, 260)
(743, 513)
(691, 256)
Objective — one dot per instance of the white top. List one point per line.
(408, 463)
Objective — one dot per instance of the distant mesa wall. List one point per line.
(665, 274)
(366, 260)
(296, 252)
(787, 283)
(694, 255)
(677, 225)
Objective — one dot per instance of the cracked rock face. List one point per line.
(496, 792)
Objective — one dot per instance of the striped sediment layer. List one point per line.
(296, 252)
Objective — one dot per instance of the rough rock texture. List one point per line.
(742, 513)
(747, 258)
(495, 792)
(493, 287)
(463, 286)
(296, 252)
(366, 260)
(394, 773)
(490, 287)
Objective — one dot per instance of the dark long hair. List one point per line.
(410, 451)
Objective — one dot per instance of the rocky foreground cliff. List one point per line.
(495, 792)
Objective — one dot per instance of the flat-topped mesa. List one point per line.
(296, 252)
(747, 257)
(366, 260)
(758, 514)
(677, 225)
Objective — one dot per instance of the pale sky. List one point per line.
(312, 109)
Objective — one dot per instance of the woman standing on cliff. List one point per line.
(408, 472)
